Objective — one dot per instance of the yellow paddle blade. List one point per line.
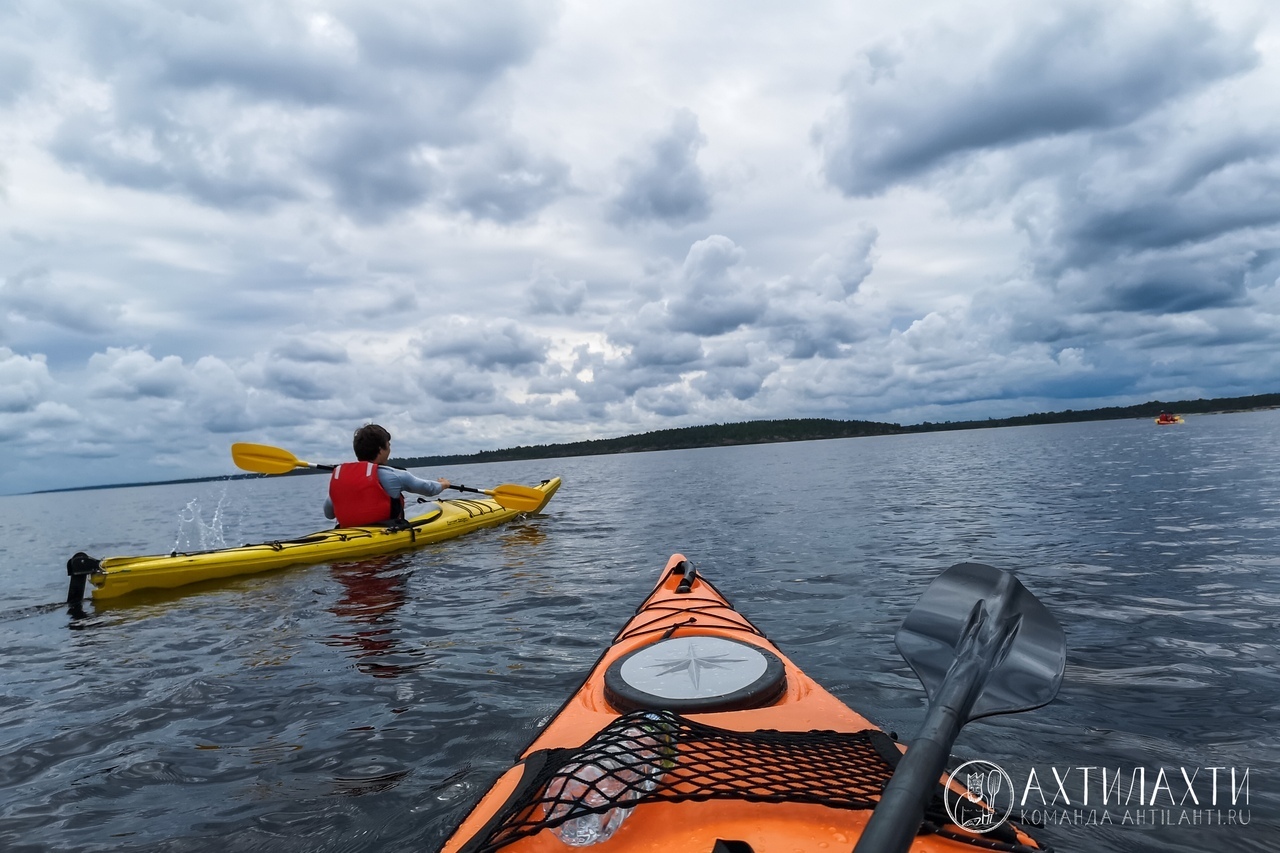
(511, 496)
(265, 459)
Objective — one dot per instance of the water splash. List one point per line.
(194, 533)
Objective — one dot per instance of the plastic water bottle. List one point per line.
(591, 784)
(617, 772)
(646, 763)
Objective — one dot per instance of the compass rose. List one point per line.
(694, 664)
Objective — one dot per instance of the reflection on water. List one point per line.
(373, 591)
(520, 542)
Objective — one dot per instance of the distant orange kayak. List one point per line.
(694, 732)
(1164, 419)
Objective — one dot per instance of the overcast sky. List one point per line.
(487, 224)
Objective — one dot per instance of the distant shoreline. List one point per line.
(766, 432)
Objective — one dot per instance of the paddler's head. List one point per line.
(372, 443)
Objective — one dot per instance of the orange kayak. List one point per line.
(694, 732)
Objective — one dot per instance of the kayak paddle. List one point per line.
(981, 644)
(265, 459)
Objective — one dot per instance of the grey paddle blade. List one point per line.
(981, 645)
(972, 609)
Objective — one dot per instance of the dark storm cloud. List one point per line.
(504, 183)
(374, 168)
(311, 350)
(36, 295)
(502, 345)
(1119, 145)
(458, 388)
(1081, 67)
(1167, 284)
(252, 105)
(167, 156)
(308, 369)
(711, 297)
(812, 316)
(550, 294)
(731, 371)
(665, 351)
(297, 381)
(664, 183)
(1160, 191)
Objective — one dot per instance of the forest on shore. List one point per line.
(811, 429)
(770, 431)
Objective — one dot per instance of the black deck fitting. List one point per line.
(79, 567)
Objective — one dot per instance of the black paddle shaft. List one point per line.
(981, 644)
(896, 820)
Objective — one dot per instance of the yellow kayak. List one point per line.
(115, 576)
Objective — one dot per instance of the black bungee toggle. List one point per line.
(690, 573)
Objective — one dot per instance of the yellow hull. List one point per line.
(116, 576)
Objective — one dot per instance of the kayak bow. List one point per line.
(446, 519)
(694, 732)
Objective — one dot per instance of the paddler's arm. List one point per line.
(397, 480)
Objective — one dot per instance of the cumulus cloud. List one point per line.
(460, 389)
(811, 315)
(549, 294)
(1053, 70)
(128, 374)
(711, 295)
(503, 182)
(300, 381)
(24, 381)
(36, 428)
(311, 349)
(474, 221)
(1105, 134)
(221, 404)
(1162, 188)
(664, 183)
(255, 105)
(733, 371)
(34, 295)
(502, 344)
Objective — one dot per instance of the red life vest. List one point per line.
(357, 496)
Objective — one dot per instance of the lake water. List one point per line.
(364, 706)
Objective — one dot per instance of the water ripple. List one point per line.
(363, 706)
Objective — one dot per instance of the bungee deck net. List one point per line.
(648, 756)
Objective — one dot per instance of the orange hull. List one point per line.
(656, 824)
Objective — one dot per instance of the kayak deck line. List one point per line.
(780, 764)
(699, 762)
(112, 577)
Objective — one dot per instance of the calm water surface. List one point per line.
(364, 706)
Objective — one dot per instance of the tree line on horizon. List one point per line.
(772, 431)
(811, 429)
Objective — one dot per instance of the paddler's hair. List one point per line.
(369, 441)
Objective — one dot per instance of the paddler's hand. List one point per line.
(444, 484)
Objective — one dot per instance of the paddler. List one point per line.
(369, 491)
